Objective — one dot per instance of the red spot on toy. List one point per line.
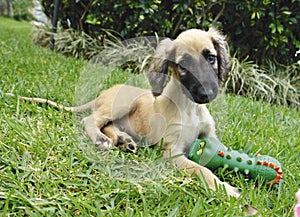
(221, 153)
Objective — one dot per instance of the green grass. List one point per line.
(47, 168)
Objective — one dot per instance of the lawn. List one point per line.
(48, 168)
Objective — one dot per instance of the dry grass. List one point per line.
(68, 42)
(134, 53)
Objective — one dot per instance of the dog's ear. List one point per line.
(159, 66)
(222, 53)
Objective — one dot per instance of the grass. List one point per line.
(47, 168)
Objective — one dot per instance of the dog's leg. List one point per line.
(92, 129)
(112, 104)
(119, 138)
(203, 173)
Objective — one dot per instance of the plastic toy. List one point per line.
(209, 152)
(297, 207)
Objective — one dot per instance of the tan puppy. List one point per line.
(184, 74)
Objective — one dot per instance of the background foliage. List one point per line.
(259, 29)
(17, 9)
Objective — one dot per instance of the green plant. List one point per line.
(263, 30)
(276, 86)
(129, 18)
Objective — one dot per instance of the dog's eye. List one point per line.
(182, 69)
(211, 58)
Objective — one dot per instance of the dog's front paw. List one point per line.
(103, 142)
(125, 142)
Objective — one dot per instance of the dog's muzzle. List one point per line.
(200, 94)
(200, 89)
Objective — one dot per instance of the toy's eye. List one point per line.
(211, 58)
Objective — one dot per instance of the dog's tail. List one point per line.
(87, 106)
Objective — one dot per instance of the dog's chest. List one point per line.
(190, 125)
(183, 129)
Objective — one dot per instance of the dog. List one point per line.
(185, 74)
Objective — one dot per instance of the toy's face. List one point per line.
(206, 151)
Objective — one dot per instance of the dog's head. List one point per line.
(196, 58)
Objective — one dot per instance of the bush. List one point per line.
(261, 30)
(21, 9)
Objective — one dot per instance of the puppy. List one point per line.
(184, 74)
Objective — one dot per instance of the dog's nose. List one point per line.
(204, 95)
(205, 92)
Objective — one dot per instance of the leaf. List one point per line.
(272, 26)
(280, 28)
(175, 6)
(142, 17)
(287, 12)
(292, 20)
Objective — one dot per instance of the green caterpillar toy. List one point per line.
(209, 152)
